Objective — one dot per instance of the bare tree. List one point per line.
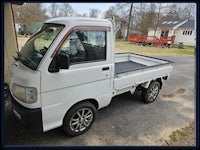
(119, 10)
(94, 13)
(123, 10)
(158, 18)
(54, 10)
(138, 15)
(179, 11)
(172, 12)
(129, 20)
(28, 13)
(146, 15)
(148, 19)
(189, 11)
(110, 12)
(84, 15)
(66, 10)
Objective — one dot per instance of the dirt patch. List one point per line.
(182, 137)
(180, 91)
(172, 95)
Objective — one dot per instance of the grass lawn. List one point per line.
(125, 46)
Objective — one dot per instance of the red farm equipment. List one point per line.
(151, 40)
(137, 38)
(163, 41)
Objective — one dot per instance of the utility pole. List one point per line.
(129, 20)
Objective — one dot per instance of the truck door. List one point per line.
(88, 76)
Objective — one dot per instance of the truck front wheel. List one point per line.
(150, 94)
(79, 119)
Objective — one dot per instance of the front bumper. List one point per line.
(30, 119)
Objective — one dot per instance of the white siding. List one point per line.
(17, 27)
(158, 32)
(151, 33)
(185, 39)
(171, 33)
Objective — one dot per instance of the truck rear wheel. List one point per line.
(79, 119)
(150, 94)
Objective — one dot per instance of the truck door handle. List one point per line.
(105, 68)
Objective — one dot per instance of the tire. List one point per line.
(150, 94)
(79, 119)
(144, 43)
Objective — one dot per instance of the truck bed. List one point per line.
(133, 69)
(126, 62)
(127, 66)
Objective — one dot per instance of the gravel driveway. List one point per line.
(127, 121)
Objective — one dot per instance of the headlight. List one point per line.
(19, 92)
(25, 94)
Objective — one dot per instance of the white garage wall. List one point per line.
(185, 39)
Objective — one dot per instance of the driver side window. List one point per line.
(74, 48)
(85, 45)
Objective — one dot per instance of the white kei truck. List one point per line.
(68, 70)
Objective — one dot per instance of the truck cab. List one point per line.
(68, 70)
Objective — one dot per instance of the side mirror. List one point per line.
(60, 61)
(63, 61)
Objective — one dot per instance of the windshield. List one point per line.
(35, 48)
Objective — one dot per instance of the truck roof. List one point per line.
(66, 20)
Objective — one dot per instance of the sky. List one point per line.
(82, 8)
(85, 7)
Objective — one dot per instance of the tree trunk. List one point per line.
(129, 20)
(158, 20)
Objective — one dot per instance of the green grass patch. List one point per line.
(126, 46)
(175, 134)
(181, 133)
(184, 46)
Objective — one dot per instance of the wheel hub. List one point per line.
(81, 120)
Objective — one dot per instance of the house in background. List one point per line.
(32, 29)
(183, 30)
(186, 34)
(19, 28)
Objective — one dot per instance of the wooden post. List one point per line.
(10, 42)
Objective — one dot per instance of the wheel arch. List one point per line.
(146, 84)
(93, 101)
(160, 81)
(147, 95)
